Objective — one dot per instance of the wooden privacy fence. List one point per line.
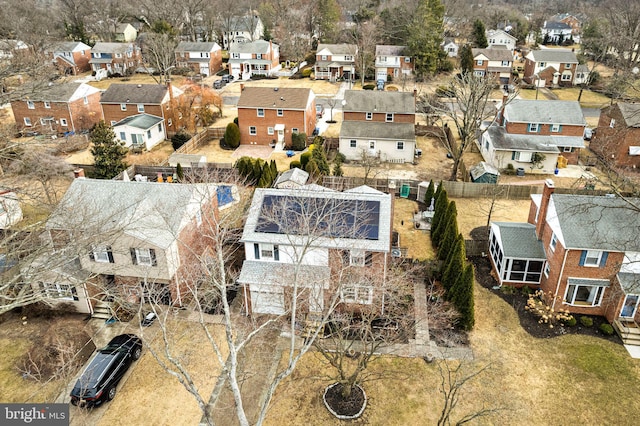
(201, 139)
(209, 173)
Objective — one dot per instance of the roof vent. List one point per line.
(139, 86)
(275, 89)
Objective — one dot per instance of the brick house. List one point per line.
(70, 57)
(525, 128)
(59, 108)
(379, 124)
(335, 61)
(257, 57)
(116, 58)
(617, 138)
(496, 62)
(269, 116)
(280, 251)
(124, 100)
(391, 61)
(580, 250)
(550, 67)
(133, 239)
(202, 57)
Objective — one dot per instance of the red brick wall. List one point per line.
(78, 115)
(529, 70)
(616, 141)
(304, 121)
(85, 116)
(378, 116)
(544, 129)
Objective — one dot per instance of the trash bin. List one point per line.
(520, 171)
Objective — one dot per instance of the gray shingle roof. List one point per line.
(544, 112)
(389, 50)
(254, 272)
(556, 25)
(554, 55)
(504, 141)
(134, 93)
(630, 282)
(189, 46)
(149, 211)
(141, 121)
(258, 46)
(68, 46)
(339, 49)
(381, 244)
(518, 240)
(294, 175)
(103, 47)
(631, 113)
(381, 101)
(275, 98)
(595, 222)
(494, 54)
(377, 130)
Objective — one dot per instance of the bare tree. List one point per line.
(369, 162)
(159, 53)
(365, 36)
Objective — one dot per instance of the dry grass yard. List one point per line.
(417, 241)
(473, 212)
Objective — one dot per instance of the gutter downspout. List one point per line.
(555, 296)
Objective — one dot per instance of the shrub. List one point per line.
(340, 157)
(306, 73)
(179, 139)
(510, 170)
(586, 321)
(606, 329)
(232, 135)
(304, 159)
(526, 290)
(507, 289)
(298, 141)
(545, 313)
(391, 89)
(369, 86)
(295, 164)
(571, 322)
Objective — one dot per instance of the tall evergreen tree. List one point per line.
(328, 18)
(439, 218)
(466, 59)
(429, 194)
(274, 169)
(108, 152)
(450, 233)
(463, 299)
(479, 34)
(454, 267)
(319, 157)
(425, 37)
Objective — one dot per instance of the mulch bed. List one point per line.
(518, 300)
(341, 406)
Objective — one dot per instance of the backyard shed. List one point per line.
(484, 173)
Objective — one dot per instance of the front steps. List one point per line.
(628, 331)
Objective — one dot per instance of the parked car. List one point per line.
(219, 84)
(588, 134)
(227, 78)
(98, 381)
(319, 110)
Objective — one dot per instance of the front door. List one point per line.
(630, 306)
(280, 135)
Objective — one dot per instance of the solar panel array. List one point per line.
(325, 217)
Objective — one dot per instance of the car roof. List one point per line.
(96, 370)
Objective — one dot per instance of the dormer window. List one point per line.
(47, 104)
(31, 105)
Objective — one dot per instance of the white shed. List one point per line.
(140, 131)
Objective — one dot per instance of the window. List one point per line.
(566, 77)
(389, 117)
(356, 258)
(478, 73)
(148, 134)
(533, 127)
(542, 64)
(555, 128)
(123, 107)
(140, 107)
(101, 254)
(369, 116)
(505, 63)
(348, 58)
(146, 257)
(407, 59)
(269, 130)
(584, 295)
(113, 122)
(352, 143)
(523, 157)
(479, 62)
(59, 291)
(260, 112)
(523, 270)
(235, 56)
(294, 130)
(372, 144)
(85, 100)
(160, 127)
(400, 145)
(592, 258)
(63, 122)
(118, 55)
(554, 242)
(43, 121)
(612, 123)
(279, 113)
(252, 130)
(27, 121)
(47, 104)
(567, 149)
(567, 66)
(323, 57)
(258, 55)
(31, 105)
(362, 294)
(547, 269)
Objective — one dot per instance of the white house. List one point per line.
(556, 32)
(241, 29)
(140, 131)
(335, 61)
(280, 251)
(126, 33)
(391, 61)
(501, 38)
(256, 57)
(450, 46)
(10, 211)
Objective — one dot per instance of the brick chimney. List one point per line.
(78, 173)
(544, 205)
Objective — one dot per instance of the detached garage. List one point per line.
(267, 300)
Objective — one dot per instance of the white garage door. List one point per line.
(263, 302)
(381, 74)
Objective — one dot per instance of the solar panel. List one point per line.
(327, 217)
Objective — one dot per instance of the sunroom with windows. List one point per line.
(516, 254)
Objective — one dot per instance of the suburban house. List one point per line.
(335, 61)
(256, 57)
(450, 46)
(493, 62)
(270, 115)
(116, 58)
(141, 131)
(378, 124)
(391, 62)
(241, 29)
(580, 250)
(58, 108)
(70, 57)
(550, 67)
(555, 32)
(572, 21)
(315, 237)
(10, 210)
(202, 57)
(125, 33)
(537, 136)
(120, 101)
(617, 139)
(9, 48)
(135, 239)
(501, 39)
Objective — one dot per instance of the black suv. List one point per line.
(99, 380)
